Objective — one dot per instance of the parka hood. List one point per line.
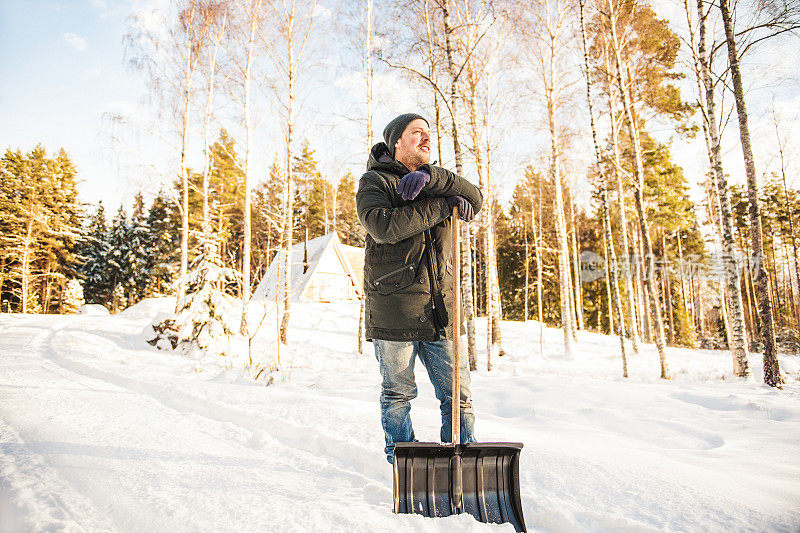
(379, 159)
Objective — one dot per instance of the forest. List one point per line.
(594, 227)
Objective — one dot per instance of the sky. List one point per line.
(62, 70)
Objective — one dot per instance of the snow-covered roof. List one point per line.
(326, 255)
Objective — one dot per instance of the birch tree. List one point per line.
(551, 20)
(214, 17)
(366, 61)
(647, 248)
(772, 372)
(476, 69)
(608, 236)
(738, 336)
(627, 268)
(293, 20)
(168, 51)
(251, 18)
(782, 143)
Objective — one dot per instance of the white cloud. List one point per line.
(76, 41)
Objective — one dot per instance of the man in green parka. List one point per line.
(405, 204)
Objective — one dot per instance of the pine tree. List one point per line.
(347, 224)
(225, 201)
(39, 228)
(65, 220)
(25, 224)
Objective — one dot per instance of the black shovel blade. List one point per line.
(424, 481)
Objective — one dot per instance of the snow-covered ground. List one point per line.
(99, 431)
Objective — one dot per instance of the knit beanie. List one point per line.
(394, 129)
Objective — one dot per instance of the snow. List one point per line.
(99, 431)
(93, 310)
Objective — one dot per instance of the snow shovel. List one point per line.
(442, 479)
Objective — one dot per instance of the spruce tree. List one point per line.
(306, 211)
(226, 199)
(208, 314)
(139, 260)
(94, 251)
(163, 245)
(267, 221)
(119, 259)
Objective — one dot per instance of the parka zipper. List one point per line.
(393, 272)
(432, 274)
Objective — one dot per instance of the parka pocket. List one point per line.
(396, 279)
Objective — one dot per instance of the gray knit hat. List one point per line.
(394, 129)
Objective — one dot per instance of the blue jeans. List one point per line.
(396, 359)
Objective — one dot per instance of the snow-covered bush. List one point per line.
(208, 314)
(73, 296)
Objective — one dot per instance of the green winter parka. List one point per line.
(407, 265)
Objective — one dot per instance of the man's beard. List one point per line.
(420, 158)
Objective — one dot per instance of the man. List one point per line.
(405, 205)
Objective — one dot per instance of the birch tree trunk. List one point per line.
(451, 69)
(367, 60)
(214, 21)
(549, 77)
(612, 270)
(466, 257)
(665, 279)
(781, 148)
(538, 253)
(491, 269)
(486, 218)
(248, 124)
(287, 189)
(641, 298)
(576, 268)
(633, 310)
(527, 264)
(25, 267)
(772, 372)
(738, 337)
(190, 62)
(655, 308)
(432, 76)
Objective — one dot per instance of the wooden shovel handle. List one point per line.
(455, 321)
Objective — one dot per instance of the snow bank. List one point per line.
(93, 310)
(149, 308)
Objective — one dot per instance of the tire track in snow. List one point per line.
(307, 465)
(47, 499)
(309, 443)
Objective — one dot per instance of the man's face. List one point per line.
(413, 149)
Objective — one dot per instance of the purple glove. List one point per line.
(465, 211)
(412, 183)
